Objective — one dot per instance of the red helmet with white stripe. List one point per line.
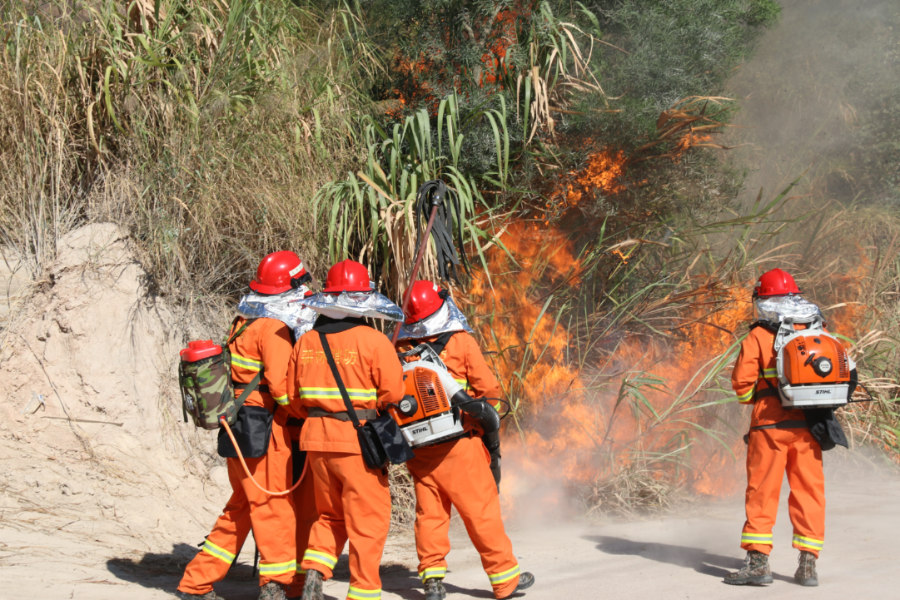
(279, 272)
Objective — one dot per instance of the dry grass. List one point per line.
(635, 489)
(403, 498)
(205, 129)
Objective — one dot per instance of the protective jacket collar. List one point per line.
(329, 325)
(447, 318)
(775, 309)
(284, 307)
(354, 304)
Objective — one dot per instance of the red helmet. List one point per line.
(425, 298)
(775, 283)
(347, 276)
(279, 272)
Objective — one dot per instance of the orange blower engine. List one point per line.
(430, 411)
(814, 369)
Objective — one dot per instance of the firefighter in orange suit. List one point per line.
(458, 471)
(352, 499)
(779, 442)
(264, 345)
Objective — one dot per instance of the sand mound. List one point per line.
(96, 459)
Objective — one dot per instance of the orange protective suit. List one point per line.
(305, 508)
(352, 500)
(457, 473)
(265, 344)
(773, 451)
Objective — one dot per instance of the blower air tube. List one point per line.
(481, 411)
(489, 420)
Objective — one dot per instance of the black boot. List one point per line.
(312, 589)
(754, 572)
(806, 570)
(434, 589)
(272, 591)
(206, 596)
(526, 580)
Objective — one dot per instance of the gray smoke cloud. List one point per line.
(820, 98)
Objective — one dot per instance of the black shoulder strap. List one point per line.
(768, 325)
(440, 342)
(340, 382)
(791, 424)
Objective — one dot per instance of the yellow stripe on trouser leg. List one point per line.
(498, 578)
(806, 543)
(320, 557)
(218, 552)
(356, 593)
(756, 538)
(439, 572)
(271, 569)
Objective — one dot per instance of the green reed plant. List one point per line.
(370, 213)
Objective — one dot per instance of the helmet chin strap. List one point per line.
(300, 281)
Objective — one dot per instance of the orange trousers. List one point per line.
(458, 473)
(270, 517)
(305, 504)
(770, 454)
(353, 502)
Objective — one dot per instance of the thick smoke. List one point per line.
(820, 100)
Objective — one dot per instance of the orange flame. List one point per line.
(589, 420)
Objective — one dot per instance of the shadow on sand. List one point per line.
(714, 565)
(164, 571)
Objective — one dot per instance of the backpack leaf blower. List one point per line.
(430, 412)
(814, 369)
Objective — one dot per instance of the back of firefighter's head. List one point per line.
(775, 283)
(425, 299)
(279, 272)
(347, 276)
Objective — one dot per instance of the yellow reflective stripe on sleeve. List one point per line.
(356, 593)
(246, 363)
(282, 400)
(320, 557)
(746, 396)
(756, 538)
(360, 394)
(805, 542)
(770, 373)
(270, 569)
(505, 576)
(430, 572)
(217, 551)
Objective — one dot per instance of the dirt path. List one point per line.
(676, 556)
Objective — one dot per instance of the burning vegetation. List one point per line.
(605, 393)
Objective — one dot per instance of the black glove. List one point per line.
(492, 443)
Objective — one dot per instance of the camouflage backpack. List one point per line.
(207, 390)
